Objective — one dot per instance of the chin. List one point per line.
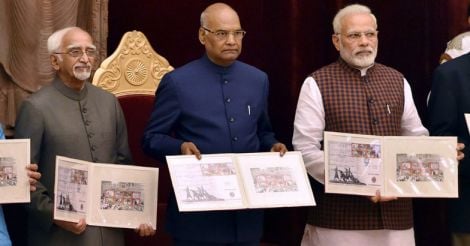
(229, 59)
(82, 76)
(363, 61)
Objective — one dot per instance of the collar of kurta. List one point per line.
(69, 92)
(354, 70)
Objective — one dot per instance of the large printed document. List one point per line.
(240, 181)
(14, 180)
(396, 166)
(105, 194)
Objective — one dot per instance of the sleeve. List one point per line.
(30, 124)
(123, 152)
(309, 124)
(443, 106)
(448, 104)
(410, 122)
(4, 237)
(157, 140)
(265, 132)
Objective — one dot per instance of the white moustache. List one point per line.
(362, 51)
(82, 67)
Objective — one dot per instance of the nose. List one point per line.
(363, 40)
(231, 38)
(84, 58)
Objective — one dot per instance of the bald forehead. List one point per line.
(218, 7)
(220, 13)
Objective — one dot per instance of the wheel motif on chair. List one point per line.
(136, 72)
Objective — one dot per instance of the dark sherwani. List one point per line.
(87, 125)
(448, 102)
(221, 110)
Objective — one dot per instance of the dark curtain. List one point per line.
(289, 39)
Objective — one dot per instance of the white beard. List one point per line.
(81, 74)
(364, 61)
(358, 61)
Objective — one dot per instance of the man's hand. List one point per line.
(460, 154)
(33, 175)
(75, 228)
(279, 147)
(378, 198)
(188, 148)
(145, 230)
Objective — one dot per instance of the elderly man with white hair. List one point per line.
(354, 95)
(72, 118)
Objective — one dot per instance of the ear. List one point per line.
(55, 62)
(202, 36)
(335, 39)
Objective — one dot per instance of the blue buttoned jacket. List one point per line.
(448, 102)
(220, 110)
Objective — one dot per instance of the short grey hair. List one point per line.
(348, 10)
(203, 18)
(55, 40)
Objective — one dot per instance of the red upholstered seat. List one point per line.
(133, 73)
(137, 109)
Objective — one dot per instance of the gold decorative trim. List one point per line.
(134, 68)
(136, 72)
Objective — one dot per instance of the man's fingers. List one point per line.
(189, 148)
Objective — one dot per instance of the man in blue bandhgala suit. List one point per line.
(448, 103)
(215, 104)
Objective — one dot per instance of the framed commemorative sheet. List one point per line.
(105, 194)
(14, 180)
(402, 166)
(240, 181)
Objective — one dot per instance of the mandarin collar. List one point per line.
(69, 92)
(354, 70)
(218, 68)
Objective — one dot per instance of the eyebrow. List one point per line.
(73, 46)
(368, 30)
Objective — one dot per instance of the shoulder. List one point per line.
(381, 68)
(100, 93)
(459, 64)
(252, 70)
(329, 67)
(42, 96)
(189, 68)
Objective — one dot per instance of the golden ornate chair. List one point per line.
(133, 73)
